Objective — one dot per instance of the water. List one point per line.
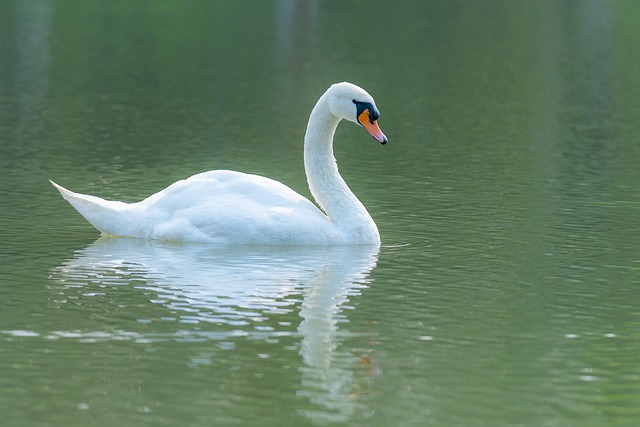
(507, 288)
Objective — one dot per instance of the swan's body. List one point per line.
(236, 208)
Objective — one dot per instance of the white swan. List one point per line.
(229, 207)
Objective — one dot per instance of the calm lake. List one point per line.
(506, 291)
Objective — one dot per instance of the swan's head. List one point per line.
(350, 102)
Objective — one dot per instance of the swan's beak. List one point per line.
(372, 127)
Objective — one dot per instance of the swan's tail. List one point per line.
(107, 216)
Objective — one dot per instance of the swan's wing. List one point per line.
(233, 207)
(221, 186)
(219, 206)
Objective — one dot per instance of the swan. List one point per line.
(234, 208)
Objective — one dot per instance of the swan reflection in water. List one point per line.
(235, 287)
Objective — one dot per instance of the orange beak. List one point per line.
(372, 127)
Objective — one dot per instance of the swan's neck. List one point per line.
(328, 188)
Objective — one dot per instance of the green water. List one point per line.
(507, 288)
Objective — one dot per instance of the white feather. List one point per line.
(228, 207)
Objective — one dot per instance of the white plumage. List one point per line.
(228, 207)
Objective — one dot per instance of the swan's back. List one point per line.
(224, 207)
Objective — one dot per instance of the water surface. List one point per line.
(507, 287)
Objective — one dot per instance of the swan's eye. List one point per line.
(361, 107)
